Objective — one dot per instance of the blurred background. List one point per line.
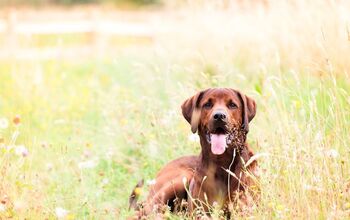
(90, 96)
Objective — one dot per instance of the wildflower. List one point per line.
(86, 153)
(123, 122)
(271, 204)
(61, 212)
(297, 104)
(347, 205)
(21, 150)
(153, 148)
(138, 191)
(44, 144)
(49, 166)
(2, 208)
(70, 216)
(87, 164)
(193, 137)
(167, 215)
(105, 181)
(109, 154)
(98, 193)
(332, 153)
(18, 205)
(17, 120)
(151, 182)
(3, 123)
(318, 136)
(279, 207)
(312, 188)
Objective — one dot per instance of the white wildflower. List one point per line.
(332, 153)
(151, 182)
(312, 188)
(21, 150)
(87, 153)
(318, 137)
(109, 154)
(49, 166)
(61, 212)
(87, 164)
(105, 181)
(4, 123)
(193, 137)
(2, 208)
(153, 149)
(98, 193)
(18, 205)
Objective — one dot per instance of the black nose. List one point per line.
(219, 116)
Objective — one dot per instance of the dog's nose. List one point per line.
(219, 116)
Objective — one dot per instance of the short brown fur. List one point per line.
(222, 179)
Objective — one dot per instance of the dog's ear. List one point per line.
(248, 110)
(191, 110)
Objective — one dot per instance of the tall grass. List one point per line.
(94, 127)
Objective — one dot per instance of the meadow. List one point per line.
(77, 133)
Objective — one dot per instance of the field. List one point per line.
(78, 131)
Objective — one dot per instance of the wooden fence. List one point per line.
(97, 29)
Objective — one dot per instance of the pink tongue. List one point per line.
(218, 143)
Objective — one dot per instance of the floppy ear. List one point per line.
(248, 110)
(191, 110)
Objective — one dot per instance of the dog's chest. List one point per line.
(219, 181)
(215, 184)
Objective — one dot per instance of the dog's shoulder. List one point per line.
(186, 162)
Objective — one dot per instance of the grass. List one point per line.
(93, 127)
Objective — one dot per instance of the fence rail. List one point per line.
(103, 27)
(96, 28)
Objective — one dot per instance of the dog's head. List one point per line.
(220, 115)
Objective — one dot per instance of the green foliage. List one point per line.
(93, 129)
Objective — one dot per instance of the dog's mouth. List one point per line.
(219, 139)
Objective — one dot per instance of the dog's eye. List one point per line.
(232, 105)
(208, 105)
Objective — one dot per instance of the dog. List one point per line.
(168, 189)
(224, 174)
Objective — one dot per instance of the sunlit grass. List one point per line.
(93, 127)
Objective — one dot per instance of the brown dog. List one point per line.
(169, 188)
(224, 171)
